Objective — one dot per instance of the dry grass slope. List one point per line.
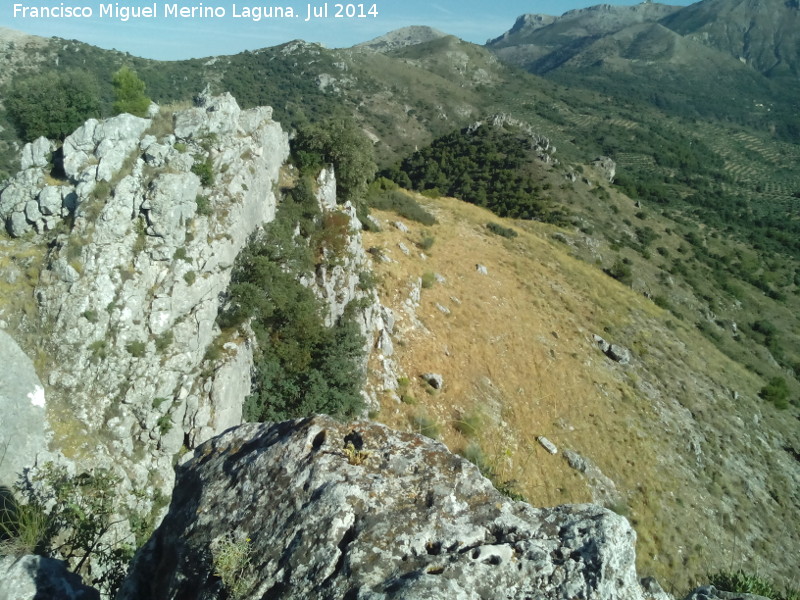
(688, 462)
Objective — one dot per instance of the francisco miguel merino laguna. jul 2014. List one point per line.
(124, 12)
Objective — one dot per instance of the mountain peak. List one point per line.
(400, 38)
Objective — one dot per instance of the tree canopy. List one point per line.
(53, 103)
(129, 96)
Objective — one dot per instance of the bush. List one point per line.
(621, 271)
(204, 170)
(52, 104)
(739, 582)
(777, 392)
(401, 203)
(204, 208)
(302, 367)
(498, 229)
(129, 93)
(341, 143)
(136, 348)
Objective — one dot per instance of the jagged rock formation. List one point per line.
(331, 510)
(142, 234)
(35, 577)
(22, 428)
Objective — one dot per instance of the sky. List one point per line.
(169, 36)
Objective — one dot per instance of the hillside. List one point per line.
(677, 440)
(654, 182)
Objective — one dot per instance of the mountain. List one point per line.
(686, 60)
(399, 38)
(636, 306)
(764, 34)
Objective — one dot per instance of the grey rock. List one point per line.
(39, 578)
(170, 204)
(653, 590)
(50, 200)
(619, 354)
(482, 269)
(601, 343)
(603, 489)
(32, 212)
(22, 404)
(435, 380)
(213, 115)
(606, 166)
(404, 249)
(18, 225)
(36, 154)
(395, 516)
(384, 344)
(400, 226)
(442, 309)
(547, 444)
(326, 189)
(709, 592)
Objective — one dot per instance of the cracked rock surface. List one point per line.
(332, 510)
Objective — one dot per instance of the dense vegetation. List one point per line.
(53, 103)
(493, 167)
(302, 367)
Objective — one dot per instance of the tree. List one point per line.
(53, 104)
(129, 96)
(339, 142)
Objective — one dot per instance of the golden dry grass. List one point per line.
(518, 360)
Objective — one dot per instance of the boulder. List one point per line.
(435, 380)
(22, 404)
(316, 508)
(709, 592)
(39, 578)
(36, 154)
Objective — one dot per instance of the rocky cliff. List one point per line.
(320, 509)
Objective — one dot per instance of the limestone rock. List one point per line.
(607, 167)
(331, 510)
(709, 592)
(435, 380)
(38, 578)
(619, 354)
(36, 153)
(22, 404)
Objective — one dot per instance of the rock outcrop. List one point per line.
(142, 232)
(38, 578)
(321, 509)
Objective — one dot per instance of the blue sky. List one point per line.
(171, 38)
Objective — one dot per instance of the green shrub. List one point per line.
(204, 170)
(136, 348)
(164, 341)
(302, 366)
(428, 279)
(422, 423)
(129, 96)
(426, 243)
(739, 582)
(232, 564)
(401, 203)
(52, 103)
(777, 392)
(204, 208)
(190, 277)
(621, 271)
(498, 229)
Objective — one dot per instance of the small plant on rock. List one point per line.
(232, 564)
